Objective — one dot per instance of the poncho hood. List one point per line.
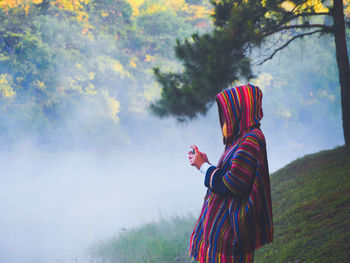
(241, 108)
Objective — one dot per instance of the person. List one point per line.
(236, 217)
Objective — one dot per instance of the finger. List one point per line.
(195, 148)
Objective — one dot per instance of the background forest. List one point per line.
(82, 156)
(78, 71)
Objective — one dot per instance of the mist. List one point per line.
(57, 204)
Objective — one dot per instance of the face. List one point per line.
(224, 129)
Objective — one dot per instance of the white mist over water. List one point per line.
(55, 205)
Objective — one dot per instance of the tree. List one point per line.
(214, 60)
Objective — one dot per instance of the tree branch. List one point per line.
(309, 14)
(288, 19)
(287, 43)
(305, 15)
(325, 28)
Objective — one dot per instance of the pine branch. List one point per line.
(309, 14)
(324, 27)
(287, 43)
(290, 18)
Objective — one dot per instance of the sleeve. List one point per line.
(239, 178)
(204, 168)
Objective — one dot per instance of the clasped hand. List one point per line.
(197, 158)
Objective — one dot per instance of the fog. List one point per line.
(57, 204)
(51, 211)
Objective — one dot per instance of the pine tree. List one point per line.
(215, 60)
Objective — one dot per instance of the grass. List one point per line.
(311, 212)
(163, 241)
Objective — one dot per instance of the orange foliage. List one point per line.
(8, 4)
(194, 11)
(197, 11)
(74, 6)
(70, 5)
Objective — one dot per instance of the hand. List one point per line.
(198, 158)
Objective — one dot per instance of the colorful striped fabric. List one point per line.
(236, 217)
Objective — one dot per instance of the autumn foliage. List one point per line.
(84, 66)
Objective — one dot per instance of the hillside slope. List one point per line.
(311, 208)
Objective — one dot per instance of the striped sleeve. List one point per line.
(244, 163)
(213, 180)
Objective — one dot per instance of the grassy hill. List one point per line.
(311, 208)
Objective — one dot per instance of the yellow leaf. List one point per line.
(104, 14)
(133, 64)
(288, 5)
(149, 58)
(316, 4)
(5, 86)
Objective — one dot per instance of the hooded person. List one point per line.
(236, 217)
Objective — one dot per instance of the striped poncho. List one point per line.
(236, 217)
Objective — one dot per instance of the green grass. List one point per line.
(163, 241)
(311, 212)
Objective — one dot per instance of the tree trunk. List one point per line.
(343, 65)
